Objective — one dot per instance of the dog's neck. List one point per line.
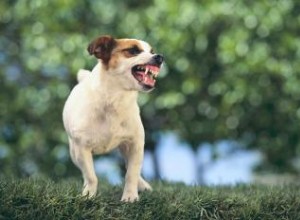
(104, 82)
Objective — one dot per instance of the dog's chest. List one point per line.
(112, 120)
(111, 127)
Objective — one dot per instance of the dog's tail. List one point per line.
(81, 75)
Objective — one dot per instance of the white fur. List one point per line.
(82, 74)
(100, 114)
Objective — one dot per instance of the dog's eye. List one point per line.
(134, 50)
(152, 51)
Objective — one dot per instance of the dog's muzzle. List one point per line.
(147, 73)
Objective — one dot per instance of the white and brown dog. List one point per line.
(101, 112)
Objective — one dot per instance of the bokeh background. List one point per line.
(227, 104)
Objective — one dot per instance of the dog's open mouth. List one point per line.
(146, 74)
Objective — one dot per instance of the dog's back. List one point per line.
(82, 74)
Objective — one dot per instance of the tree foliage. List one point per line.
(231, 72)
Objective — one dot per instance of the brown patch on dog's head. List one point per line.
(102, 48)
(130, 48)
(124, 48)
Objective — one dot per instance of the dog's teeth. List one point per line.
(141, 68)
(146, 71)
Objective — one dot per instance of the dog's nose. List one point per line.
(158, 59)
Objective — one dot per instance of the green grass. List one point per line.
(45, 199)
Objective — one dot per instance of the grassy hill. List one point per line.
(45, 199)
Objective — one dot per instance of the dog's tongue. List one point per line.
(145, 79)
(148, 80)
(147, 76)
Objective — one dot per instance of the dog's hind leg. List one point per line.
(142, 184)
(83, 159)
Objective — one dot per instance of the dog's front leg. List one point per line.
(142, 184)
(134, 164)
(83, 159)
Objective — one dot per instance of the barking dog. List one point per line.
(101, 112)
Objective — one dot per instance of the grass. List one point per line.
(45, 199)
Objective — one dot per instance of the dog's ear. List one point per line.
(102, 47)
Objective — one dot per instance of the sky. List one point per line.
(179, 163)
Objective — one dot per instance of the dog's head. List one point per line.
(132, 62)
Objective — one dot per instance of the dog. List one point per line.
(101, 112)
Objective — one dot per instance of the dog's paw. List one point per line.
(89, 191)
(130, 197)
(143, 185)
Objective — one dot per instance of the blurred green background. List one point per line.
(231, 71)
